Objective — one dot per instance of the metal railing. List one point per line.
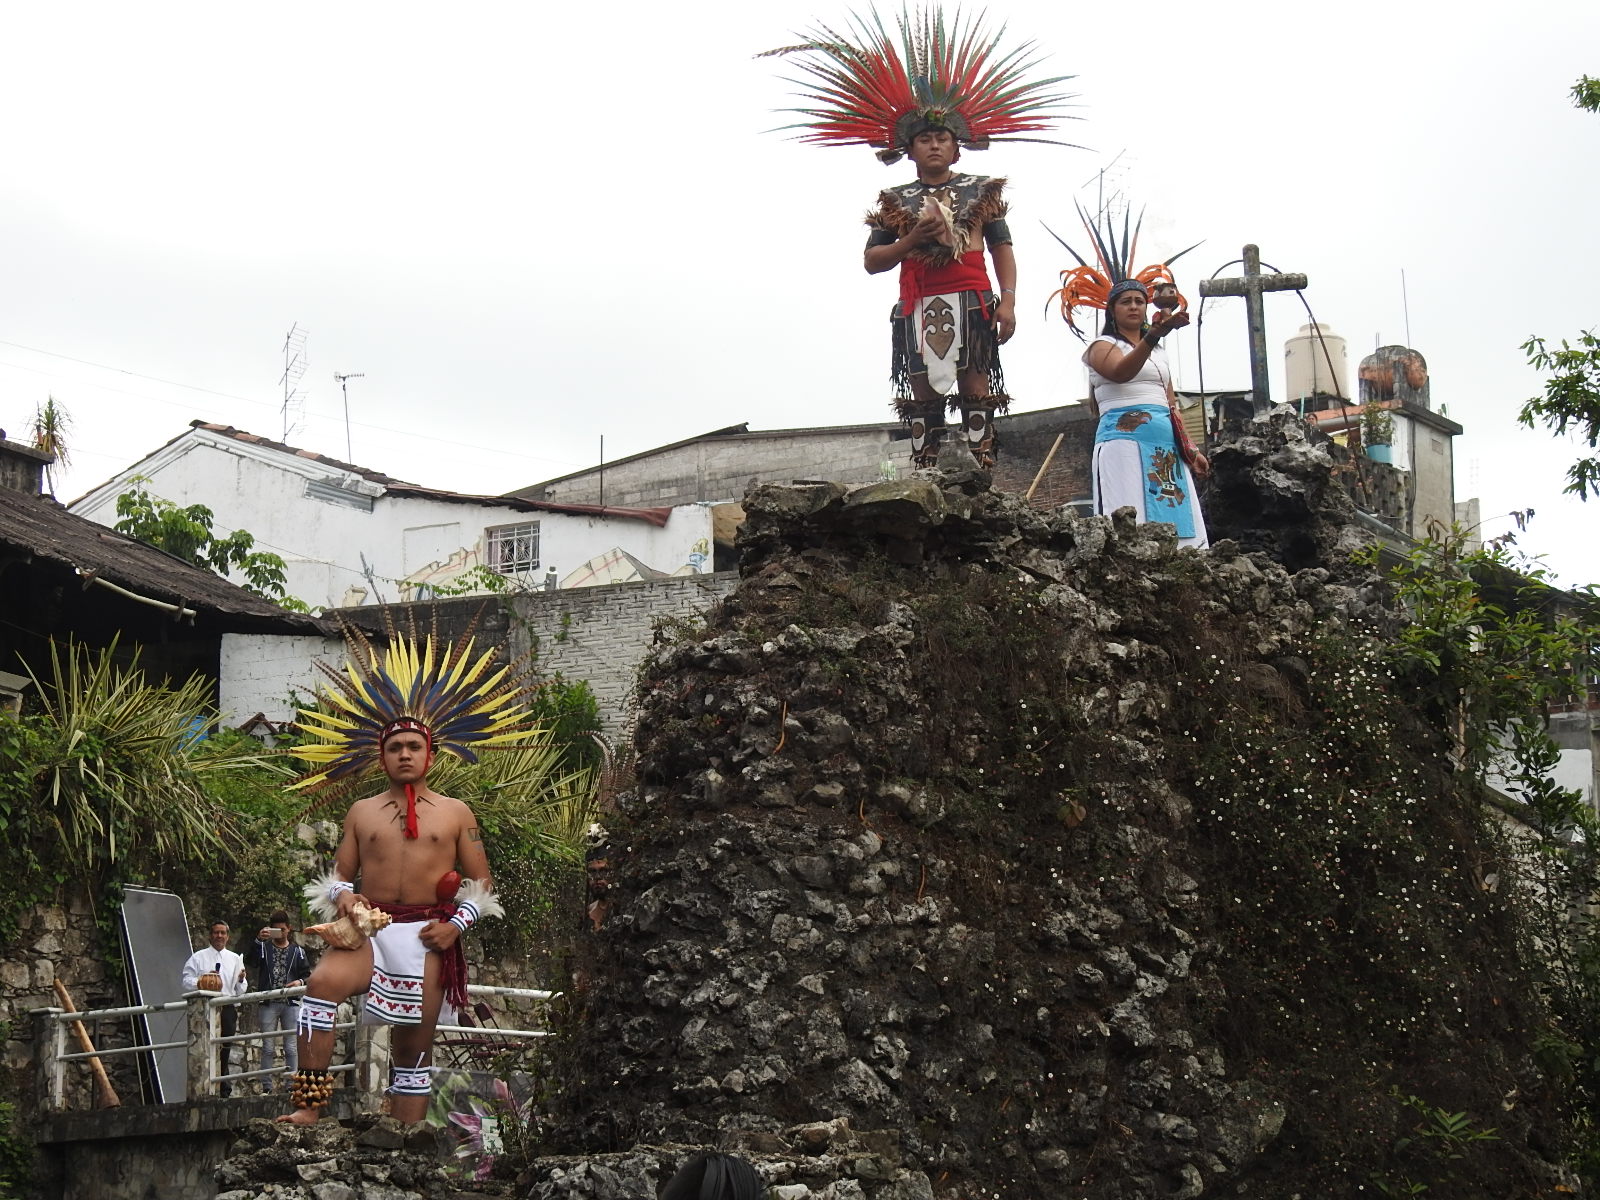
(206, 1038)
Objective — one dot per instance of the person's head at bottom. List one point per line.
(709, 1176)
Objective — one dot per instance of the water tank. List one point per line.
(1307, 371)
(1395, 373)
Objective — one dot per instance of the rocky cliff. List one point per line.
(983, 852)
(1066, 862)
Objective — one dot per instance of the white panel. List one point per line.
(426, 544)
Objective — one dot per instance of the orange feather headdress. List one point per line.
(1085, 286)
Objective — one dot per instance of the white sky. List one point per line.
(533, 225)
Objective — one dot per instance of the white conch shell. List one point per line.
(949, 235)
(352, 930)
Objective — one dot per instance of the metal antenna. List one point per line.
(294, 367)
(344, 385)
(1405, 304)
(1104, 203)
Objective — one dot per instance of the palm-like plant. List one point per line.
(121, 765)
(50, 425)
(525, 797)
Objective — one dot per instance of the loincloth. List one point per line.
(399, 959)
(941, 337)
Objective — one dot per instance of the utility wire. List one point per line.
(268, 404)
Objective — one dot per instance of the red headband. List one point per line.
(405, 725)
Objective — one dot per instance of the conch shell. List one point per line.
(351, 931)
(948, 234)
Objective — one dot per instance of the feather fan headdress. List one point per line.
(460, 702)
(880, 90)
(1084, 286)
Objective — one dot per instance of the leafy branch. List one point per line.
(187, 533)
(1571, 400)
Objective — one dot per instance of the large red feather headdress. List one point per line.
(1085, 286)
(881, 90)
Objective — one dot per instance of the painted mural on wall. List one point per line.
(415, 585)
(698, 557)
(612, 567)
(618, 566)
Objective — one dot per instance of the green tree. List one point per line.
(1571, 400)
(187, 533)
(1586, 93)
(1571, 397)
(1501, 645)
(106, 781)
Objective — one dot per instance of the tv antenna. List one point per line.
(294, 367)
(343, 380)
(1103, 203)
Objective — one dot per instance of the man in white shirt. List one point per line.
(228, 969)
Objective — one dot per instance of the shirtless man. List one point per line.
(398, 844)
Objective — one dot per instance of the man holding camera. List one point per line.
(276, 962)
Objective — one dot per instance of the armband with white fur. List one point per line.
(473, 902)
(322, 894)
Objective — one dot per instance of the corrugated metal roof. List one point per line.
(399, 487)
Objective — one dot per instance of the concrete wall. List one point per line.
(726, 467)
(158, 1152)
(1433, 475)
(331, 537)
(260, 670)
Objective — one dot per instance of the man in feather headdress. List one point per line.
(940, 90)
(398, 938)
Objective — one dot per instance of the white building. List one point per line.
(350, 536)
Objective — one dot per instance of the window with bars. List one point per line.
(513, 549)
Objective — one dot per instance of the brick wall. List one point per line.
(1024, 442)
(60, 941)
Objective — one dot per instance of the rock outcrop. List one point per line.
(940, 830)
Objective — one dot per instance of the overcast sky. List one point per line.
(531, 226)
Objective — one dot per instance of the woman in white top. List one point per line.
(1138, 457)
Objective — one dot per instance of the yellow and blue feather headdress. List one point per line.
(464, 702)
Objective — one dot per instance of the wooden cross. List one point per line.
(1251, 286)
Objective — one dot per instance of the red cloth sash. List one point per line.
(1186, 447)
(452, 962)
(966, 274)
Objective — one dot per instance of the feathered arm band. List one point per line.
(474, 901)
(322, 893)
